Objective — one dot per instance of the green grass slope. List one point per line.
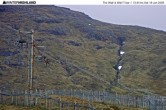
(82, 51)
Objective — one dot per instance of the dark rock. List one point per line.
(15, 26)
(121, 40)
(98, 47)
(74, 43)
(93, 33)
(9, 8)
(164, 61)
(14, 65)
(40, 40)
(97, 35)
(56, 31)
(48, 20)
(3, 68)
(71, 70)
(7, 53)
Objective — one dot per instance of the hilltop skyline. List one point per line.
(144, 16)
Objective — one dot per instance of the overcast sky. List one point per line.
(146, 16)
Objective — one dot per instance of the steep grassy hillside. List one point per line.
(82, 51)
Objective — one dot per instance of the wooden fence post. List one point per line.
(163, 104)
(16, 98)
(116, 99)
(149, 103)
(31, 100)
(0, 96)
(25, 98)
(75, 105)
(49, 104)
(12, 97)
(143, 101)
(36, 97)
(60, 104)
(137, 101)
(99, 96)
(83, 96)
(155, 104)
(68, 106)
(46, 98)
(89, 105)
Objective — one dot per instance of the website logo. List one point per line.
(20, 2)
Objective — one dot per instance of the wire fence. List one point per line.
(152, 102)
(40, 98)
(45, 98)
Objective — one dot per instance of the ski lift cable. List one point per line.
(86, 71)
(25, 32)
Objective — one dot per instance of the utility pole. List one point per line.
(30, 44)
(31, 55)
(31, 69)
(34, 47)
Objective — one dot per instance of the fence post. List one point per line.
(1, 96)
(143, 99)
(25, 100)
(89, 105)
(27, 97)
(68, 106)
(92, 96)
(155, 104)
(46, 98)
(83, 96)
(36, 97)
(49, 104)
(75, 105)
(60, 104)
(31, 98)
(2, 99)
(127, 100)
(104, 95)
(163, 104)
(135, 98)
(120, 99)
(149, 104)
(116, 99)
(39, 97)
(99, 95)
(16, 97)
(12, 97)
